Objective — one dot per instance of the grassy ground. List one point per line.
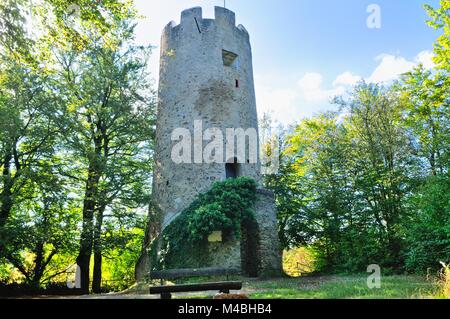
(342, 287)
(321, 287)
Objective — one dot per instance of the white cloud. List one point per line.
(290, 103)
(426, 59)
(347, 79)
(390, 68)
(310, 86)
(310, 94)
(277, 100)
(311, 89)
(310, 82)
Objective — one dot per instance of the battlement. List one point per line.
(192, 19)
(225, 16)
(193, 13)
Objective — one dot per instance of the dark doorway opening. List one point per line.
(232, 170)
(250, 252)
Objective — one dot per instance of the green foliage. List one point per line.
(426, 114)
(298, 261)
(121, 251)
(13, 40)
(369, 184)
(349, 183)
(77, 122)
(426, 95)
(440, 19)
(223, 208)
(429, 230)
(206, 219)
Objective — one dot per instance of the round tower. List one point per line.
(206, 82)
(206, 94)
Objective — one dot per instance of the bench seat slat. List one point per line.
(221, 286)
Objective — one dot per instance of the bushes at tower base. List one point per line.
(223, 208)
(184, 243)
(208, 218)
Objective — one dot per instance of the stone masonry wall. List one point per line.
(269, 242)
(196, 85)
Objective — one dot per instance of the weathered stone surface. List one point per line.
(195, 84)
(269, 243)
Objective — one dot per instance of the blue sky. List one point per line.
(306, 51)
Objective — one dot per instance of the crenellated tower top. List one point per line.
(192, 21)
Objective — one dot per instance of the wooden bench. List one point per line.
(222, 286)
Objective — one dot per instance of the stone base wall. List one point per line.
(270, 263)
(257, 254)
(225, 255)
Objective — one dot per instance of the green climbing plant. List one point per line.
(223, 208)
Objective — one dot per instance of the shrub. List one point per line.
(223, 208)
(429, 233)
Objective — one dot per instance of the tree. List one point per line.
(345, 182)
(121, 245)
(440, 19)
(428, 232)
(285, 183)
(14, 44)
(83, 77)
(425, 100)
(27, 134)
(426, 95)
(107, 123)
(318, 148)
(41, 227)
(383, 158)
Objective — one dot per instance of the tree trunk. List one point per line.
(97, 276)
(38, 265)
(6, 194)
(86, 240)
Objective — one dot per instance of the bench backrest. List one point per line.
(186, 273)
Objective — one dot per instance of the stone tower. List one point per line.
(206, 82)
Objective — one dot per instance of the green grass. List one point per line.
(342, 287)
(328, 287)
